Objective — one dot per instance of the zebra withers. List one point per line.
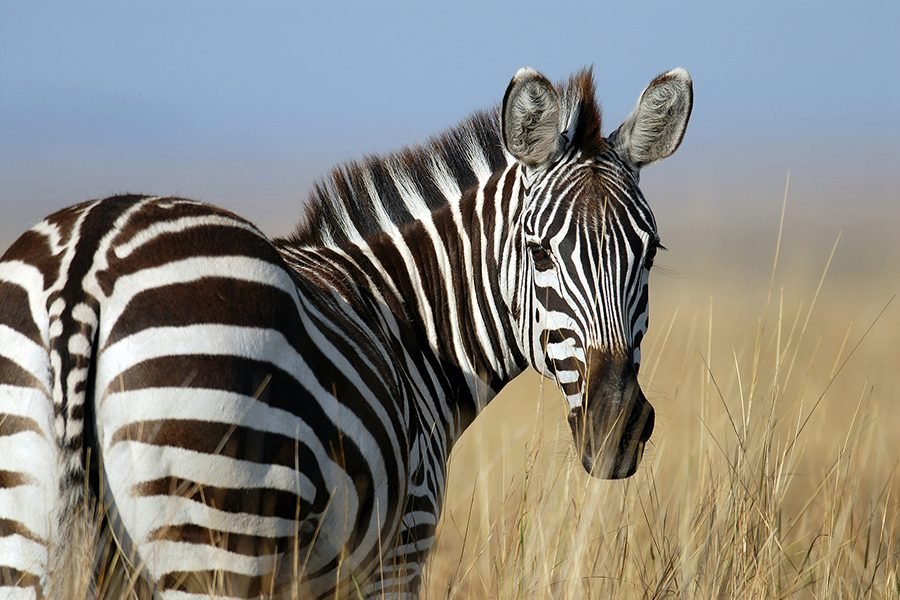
(276, 415)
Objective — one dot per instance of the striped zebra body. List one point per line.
(276, 416)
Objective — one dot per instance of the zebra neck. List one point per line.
(441, 284)
(445, 278)
(446, 272)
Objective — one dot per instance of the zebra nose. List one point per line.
(615, 432)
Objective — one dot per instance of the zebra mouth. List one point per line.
(593, 465)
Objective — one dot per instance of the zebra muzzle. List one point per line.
(612, 437)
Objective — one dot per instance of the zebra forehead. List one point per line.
(590, 201)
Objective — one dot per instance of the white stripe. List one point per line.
(85, 314)
(50, 232)
(390, 324)
(417, 546)
(25, 353)
(418, 517)
(22, 554)
(409, 193)
(16, 593)
(218, 406)
(478, 162)
(27, 402)
(79, 344)
(563, 377)
(161, 511)
(486, 277)
(445, 183)
(348, 369)
(565, 349)
(426, 311)
(166, 557)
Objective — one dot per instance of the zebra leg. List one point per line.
(400, 572)
(29, 469)
(28, 487)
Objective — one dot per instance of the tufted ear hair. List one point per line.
(530, 118)
(656, 126)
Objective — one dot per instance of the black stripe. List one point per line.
(14, 375)
(13, 424)
(10, 576)
(15, 312)
(32, 249)
(217, 300)
(264, 502)
(204, 240)
(9, 528)
(220, 439)
(11, 479)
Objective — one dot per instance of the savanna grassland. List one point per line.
(773, 468)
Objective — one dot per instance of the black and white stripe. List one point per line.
(277, 415)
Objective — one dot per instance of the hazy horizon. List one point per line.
(246, 107)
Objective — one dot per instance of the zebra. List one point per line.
(262, 416)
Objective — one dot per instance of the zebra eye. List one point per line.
(541, 257)
(651, 254)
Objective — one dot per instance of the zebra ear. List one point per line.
(656, 126)
(530, 118)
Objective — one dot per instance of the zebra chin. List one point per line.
(611, 437)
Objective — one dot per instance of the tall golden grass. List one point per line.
(772, 472)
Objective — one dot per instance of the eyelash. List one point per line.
(651, 254)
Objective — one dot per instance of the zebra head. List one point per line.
(587, 242)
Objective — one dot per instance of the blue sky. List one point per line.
(244, 104)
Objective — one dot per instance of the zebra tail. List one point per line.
(74, 317)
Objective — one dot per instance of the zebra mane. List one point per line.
(357, 198)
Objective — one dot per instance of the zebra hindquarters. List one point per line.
(202, 457)
(197, 495)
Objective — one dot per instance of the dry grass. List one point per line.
(773, 470)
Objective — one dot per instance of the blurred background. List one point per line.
(246, 105)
